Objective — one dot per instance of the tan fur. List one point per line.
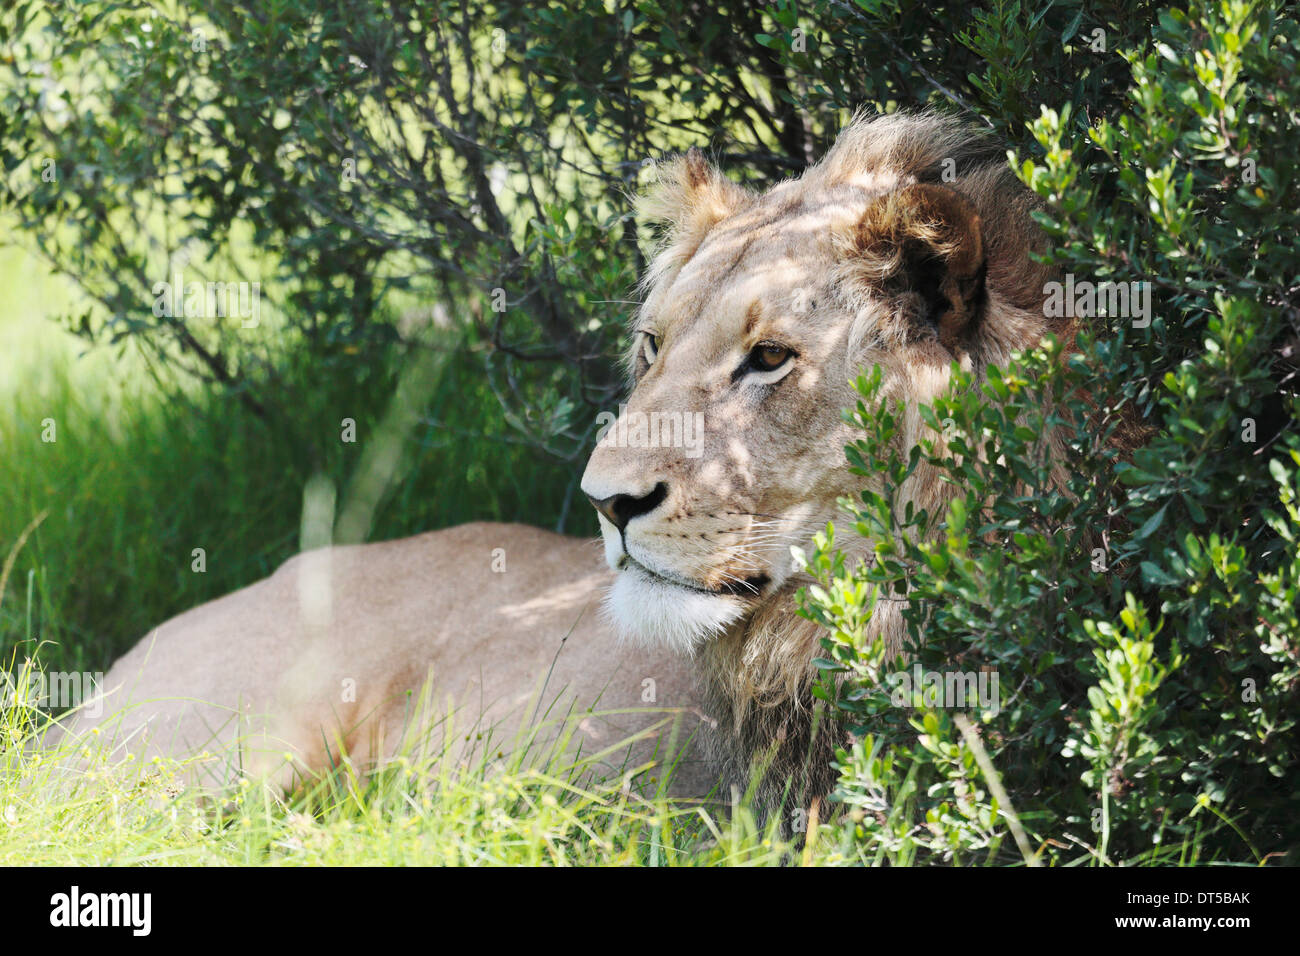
(874, 256)
(264, 672)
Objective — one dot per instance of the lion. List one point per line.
(906, 246)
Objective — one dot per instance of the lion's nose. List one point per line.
(620, 509)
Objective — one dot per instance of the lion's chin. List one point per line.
(652, 611)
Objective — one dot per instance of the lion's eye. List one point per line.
(768, 356)
(651, 347)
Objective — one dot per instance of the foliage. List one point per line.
(1140, 612)
(379, 158)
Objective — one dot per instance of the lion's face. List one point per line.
(744, 347)
(759, 313)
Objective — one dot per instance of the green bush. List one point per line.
(473, 162)
(1140, 612)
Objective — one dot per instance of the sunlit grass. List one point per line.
(71, 803)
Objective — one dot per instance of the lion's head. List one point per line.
(906, 246)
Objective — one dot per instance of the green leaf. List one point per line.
(1152, 524)
(957, 516)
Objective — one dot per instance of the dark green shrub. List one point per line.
(1141, 617)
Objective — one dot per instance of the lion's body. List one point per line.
(332, 652)
(907, 247)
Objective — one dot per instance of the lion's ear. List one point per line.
(925, 242)
(690, 197)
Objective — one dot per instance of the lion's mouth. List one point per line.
(750, 586)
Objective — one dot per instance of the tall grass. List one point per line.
(426, 807)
